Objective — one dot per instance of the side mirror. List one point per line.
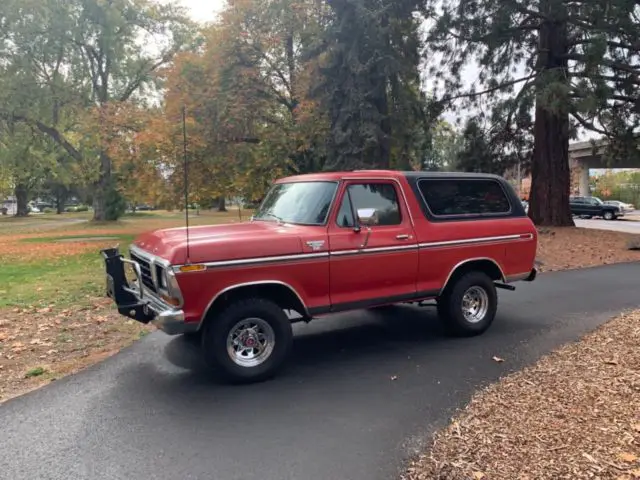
(367, 216)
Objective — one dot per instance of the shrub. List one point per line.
(116, 205)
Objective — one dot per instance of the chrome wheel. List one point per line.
(475, 304)
(250, 342)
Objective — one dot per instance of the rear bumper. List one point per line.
(137, 302)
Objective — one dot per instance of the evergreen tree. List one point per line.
(579, 64)
(491, 150)
(370, 84)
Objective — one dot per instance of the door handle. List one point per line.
(404, 236)
(366, 239)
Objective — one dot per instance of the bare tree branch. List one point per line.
(608, 63)
(587, 124)
(489, 90)
(52, 132)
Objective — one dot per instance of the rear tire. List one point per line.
(249, 341)
(468, 306)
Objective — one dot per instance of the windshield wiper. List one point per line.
(280, 220)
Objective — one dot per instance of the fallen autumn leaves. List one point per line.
(38, 345)
(575, 414)
(563, 248)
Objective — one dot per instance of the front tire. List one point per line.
(609, 216)
(468, 306)
(194, 338)
(249, 341)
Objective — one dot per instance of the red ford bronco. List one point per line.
(325, 243)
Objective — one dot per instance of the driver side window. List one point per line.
(367, 197)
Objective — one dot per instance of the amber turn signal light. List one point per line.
(170, 300)
(192, 268)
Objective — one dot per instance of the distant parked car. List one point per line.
(144, 208)
(625, 207)
(43, 205)
(594, 207)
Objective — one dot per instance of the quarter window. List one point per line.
(453, 197)
(380, 198)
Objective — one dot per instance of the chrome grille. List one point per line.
(145, 268)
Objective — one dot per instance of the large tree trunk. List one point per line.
(222, 204)
(61, 198)
(550, 172)
(101, 190)
(59, 206)
(22, 193)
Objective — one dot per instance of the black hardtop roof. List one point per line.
(426, 174)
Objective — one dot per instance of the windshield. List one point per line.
(304, 203)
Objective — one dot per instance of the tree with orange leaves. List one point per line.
(249, 116)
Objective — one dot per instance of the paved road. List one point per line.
(629, 226)
(151, 413)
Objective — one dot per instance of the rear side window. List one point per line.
(464, 197)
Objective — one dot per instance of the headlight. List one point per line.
(168, 287)
(162, 279)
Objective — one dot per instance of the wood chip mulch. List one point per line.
(573, 415)
(563, 248)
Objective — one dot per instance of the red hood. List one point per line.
(210, 243)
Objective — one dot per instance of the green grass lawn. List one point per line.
(70, 280)
(73, 279)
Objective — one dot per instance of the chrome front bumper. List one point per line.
(138, 302)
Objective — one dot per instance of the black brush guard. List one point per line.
(130, 303)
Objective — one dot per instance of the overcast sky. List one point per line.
(203, 10)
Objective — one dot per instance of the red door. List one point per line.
(377, 263)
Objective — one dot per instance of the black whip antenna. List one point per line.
(186, 177)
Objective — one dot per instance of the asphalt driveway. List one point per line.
(364, 392)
